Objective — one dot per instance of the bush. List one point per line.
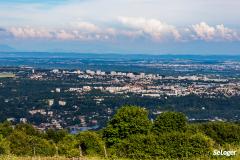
(179, 145)
(170, 121)
(55, 135)
(6, 128)
(41, 146)
(23, 144)
(28, 129)
(91, 143)
(19, 143)
(139, 147)
(201, 144)
(69, 146)
(222, 132)
(174, 145)
(4, 145)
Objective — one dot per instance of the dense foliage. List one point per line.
(129, 120)
(170, 121)
(129, 134)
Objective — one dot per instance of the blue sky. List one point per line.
(125, 26)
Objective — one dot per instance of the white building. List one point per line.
(142, 75)
(11, 119)
(90, 72)
(62, 103)
(130, 75)
(55, 71)
(58, 90)
(23, 120)
(50, 102)
(113, 73)
(86, 88)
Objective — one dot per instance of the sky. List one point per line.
(121, 26)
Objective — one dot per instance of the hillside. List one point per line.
(130, 134)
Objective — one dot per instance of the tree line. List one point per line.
(129, 134)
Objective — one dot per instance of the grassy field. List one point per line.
(100, 158)
(38, 158)
(55, 158)
(50, 158)
(11, 157)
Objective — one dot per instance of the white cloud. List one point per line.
(203, 31)
(64, 35)
(86, 26)
(226, 33)
(156, 29)
(131, 28)
(83, 31)
(29, 32)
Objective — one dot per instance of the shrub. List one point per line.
(4, 145)
(19, 143)
(41, 146)
(180, 145)
(222, 132)
(91, 143)
(23, 144)
(170, 121)
(55, 135)
(28, 129)
(69, 146)
(174, 145)
(5, 129)
(139, 147)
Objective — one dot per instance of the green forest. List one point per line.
(130, 134)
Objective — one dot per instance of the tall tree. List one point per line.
(127, 121)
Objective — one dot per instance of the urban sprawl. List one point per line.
(69, 92)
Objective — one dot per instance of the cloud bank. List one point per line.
(158, 30)
(216, 33)
(127, 27)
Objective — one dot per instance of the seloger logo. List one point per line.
(224, 153)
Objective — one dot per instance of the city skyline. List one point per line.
(128, 26)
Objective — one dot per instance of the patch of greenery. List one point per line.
(130, 134)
